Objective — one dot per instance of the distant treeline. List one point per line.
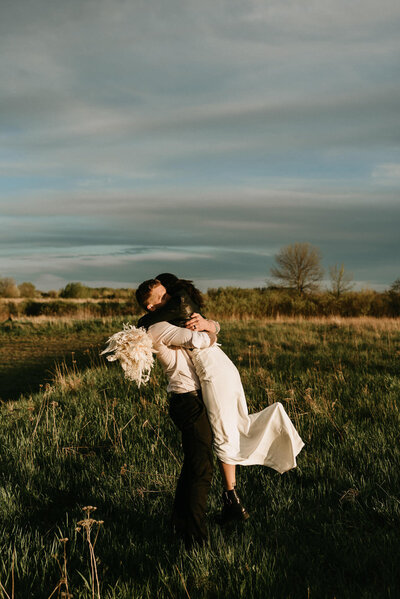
(298, 271)
(73, 309)
(9, 289)
(225, 303)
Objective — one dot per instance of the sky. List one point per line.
(198, 138)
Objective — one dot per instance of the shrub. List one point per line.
(8, 288)
(76, 291)
(27, 290)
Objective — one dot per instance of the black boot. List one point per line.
(232, 509)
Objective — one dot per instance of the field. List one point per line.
(74, 433)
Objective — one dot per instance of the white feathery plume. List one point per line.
(134, 349)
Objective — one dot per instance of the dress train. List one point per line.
(267, 437)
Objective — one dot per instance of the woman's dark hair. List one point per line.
(173, 284)
(167, 279)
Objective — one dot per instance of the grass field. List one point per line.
(87, 437)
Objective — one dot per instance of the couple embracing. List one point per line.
(208, 405)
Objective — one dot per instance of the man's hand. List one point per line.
(198, 323)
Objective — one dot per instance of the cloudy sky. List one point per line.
(198, 138)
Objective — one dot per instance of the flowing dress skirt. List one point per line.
(267, 437)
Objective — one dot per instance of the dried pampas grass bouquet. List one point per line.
(133, 348)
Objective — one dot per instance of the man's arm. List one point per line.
(170, 335)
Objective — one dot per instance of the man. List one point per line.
(186, 409)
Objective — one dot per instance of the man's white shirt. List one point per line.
(172, 345)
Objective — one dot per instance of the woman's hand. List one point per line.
(198, 323)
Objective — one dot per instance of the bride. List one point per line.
(267, 437)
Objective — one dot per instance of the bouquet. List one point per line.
(134, 349)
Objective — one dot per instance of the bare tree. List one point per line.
(299, 267)
(341, 280)
(395, 286)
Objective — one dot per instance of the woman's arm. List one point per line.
(181, 310)
(198, 323)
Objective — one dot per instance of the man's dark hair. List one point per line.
(144, 290)
(173, 285)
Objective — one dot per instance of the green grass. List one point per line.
(29, 350)
(329, 528)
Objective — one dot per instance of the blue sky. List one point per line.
(197, 138)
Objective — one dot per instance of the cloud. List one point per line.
(235, 127)
(202, 243)
(387, 174)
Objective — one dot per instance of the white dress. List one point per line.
(267, 437)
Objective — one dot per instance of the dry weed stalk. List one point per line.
(86, 526)
(125, 469)
(157, 479)
(44, 408)
(322, 407)
(349, 496)
(2, 589)
(63, 582)
(38, 417)
(183, 581)
(147, 423)
(254, 359)
(54, 405)
(116, 438)
(66, 378)
(294, 410)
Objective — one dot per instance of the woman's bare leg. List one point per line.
(228, 473)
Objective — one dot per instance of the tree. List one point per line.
(299, 267)
(27, 290)
(8, 288)
(75, 291)
(341, 280)
(395, 286)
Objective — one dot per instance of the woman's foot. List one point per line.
(232, 510)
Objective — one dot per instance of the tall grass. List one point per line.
(224, 303)
(328, 528)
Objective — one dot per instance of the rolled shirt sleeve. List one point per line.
(172, 345)
(173, 336)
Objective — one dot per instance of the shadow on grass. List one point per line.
(133, 540)
(25, 378)
(320, 547)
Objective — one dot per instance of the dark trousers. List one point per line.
(189, 414)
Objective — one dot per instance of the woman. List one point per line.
(267, 437)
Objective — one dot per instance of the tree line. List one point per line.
(10, 289)
(294, 289)
(298, 267)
